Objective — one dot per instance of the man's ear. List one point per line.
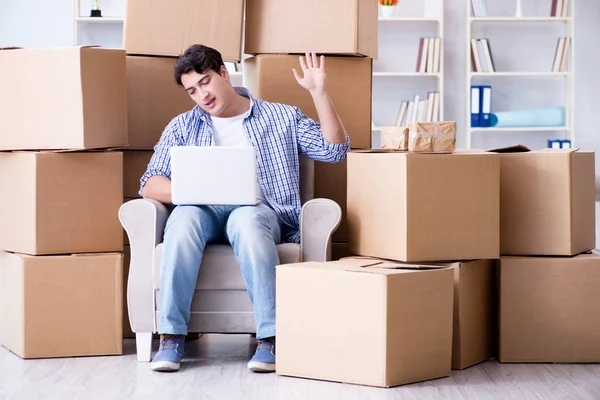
(224, 72)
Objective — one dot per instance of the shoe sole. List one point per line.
(256, 366)
(164, 366)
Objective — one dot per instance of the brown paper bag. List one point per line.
(432, 137)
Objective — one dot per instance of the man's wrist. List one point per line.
(319, 93)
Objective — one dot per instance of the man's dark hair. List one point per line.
(197, 58)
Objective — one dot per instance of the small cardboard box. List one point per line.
(153, 99)
(167, 28)
(344, 27)
(547, 201)
(432, 137)
(61, 306)
(270, 77)
(79, 101)
(549, 309)
(423, 207)
(367, 322)
(135, 163)
(61, 203)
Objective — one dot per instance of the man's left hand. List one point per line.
(314, 74)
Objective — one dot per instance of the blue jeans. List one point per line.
(253, 232)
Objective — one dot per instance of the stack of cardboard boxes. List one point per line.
(278, 31)
(60, 273)
(456, 254)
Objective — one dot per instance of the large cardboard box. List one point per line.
(135, 164)
(270, 77)
(424, 207)
(167, 28)
(330, 182)
(127, 332)
(78, 102)
(366, 321)
(331, 27)
(153, 99)
(547, 202)
(61, 203)
(61, 306)
(549, 309)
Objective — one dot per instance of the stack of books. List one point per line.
(417, 110)
(561, 56)
(428, 58)
(481, 56)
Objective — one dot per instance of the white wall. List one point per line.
(34, 23)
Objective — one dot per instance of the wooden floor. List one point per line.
(215, 368)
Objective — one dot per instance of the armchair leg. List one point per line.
(143, 344)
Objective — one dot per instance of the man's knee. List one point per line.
(247, 220)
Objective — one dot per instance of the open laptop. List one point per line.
(213, 175)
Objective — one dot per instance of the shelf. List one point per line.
(532, 74)
(100, 20)
(523, 128)
(523, 19)
(409, 19)
(407, 74)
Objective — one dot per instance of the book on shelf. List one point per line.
(417, 110)
(561, 55)
(478, 8)
(428, 56)
(481, 56)
(560, 8)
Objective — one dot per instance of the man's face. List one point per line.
(211, 91)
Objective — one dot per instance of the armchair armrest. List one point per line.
(144, 222)
(319, 219)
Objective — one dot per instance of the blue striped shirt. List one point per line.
(278, 132)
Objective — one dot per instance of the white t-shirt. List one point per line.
(230, 132)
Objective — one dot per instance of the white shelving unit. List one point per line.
(111, 26)
(567, 76)
(433, 14)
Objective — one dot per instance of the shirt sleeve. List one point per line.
(312, 143)
(160, 163)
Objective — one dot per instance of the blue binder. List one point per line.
(486, 106)
(475, 106)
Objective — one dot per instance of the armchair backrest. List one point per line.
(307, 174)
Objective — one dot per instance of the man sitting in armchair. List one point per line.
(230, 116)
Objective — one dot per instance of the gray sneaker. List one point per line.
(170, 352)
(264, 358)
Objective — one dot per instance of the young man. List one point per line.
(228, 116)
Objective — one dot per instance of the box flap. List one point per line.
(384, 266)
(518, 148)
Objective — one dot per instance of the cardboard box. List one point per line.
(160, 28)
(366, 321)
(270, 77)
(78, 103)
(423, 207)
(61, 306)
(330, 183)
(547, 202)
(331, 27)
(475, 312)
(135, 164)
(153, 99)
(61, 203)
(549, 309)
(432, 137)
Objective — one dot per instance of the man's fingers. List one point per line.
(309, 60)
(315, 62)
(303, 63)
(296, 74)
(322, 66)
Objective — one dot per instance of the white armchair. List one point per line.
(220, 303)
